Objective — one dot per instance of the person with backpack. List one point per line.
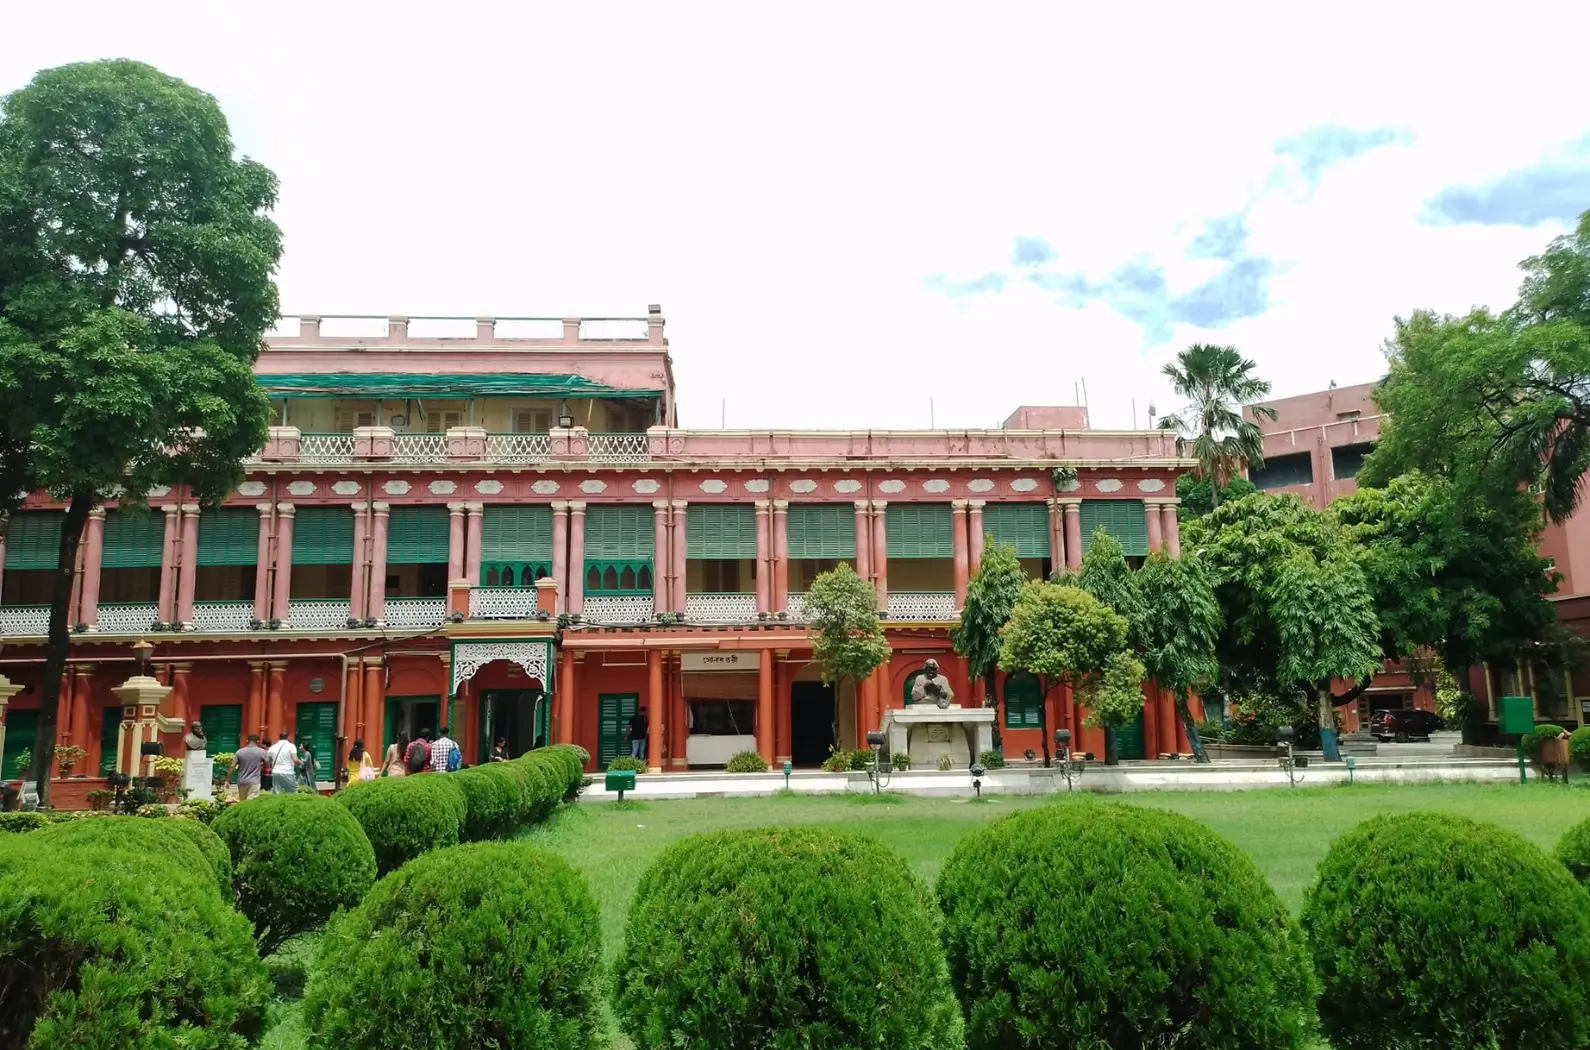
(445, 755)
(417, 759)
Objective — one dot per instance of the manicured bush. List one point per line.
(1574, 850)
(1543, 731)
(624, 762)
(992, 760)
(1099, 924)
(746, 762)
(1434, 930)
(405, 816)
(145, 837)
(1579, 747)
(296, 859)
(485, 945)
(19, 823)
(492, 801)
(843, 760)
(575, 759)
(783, 937)
(212, 847)
(103, 947)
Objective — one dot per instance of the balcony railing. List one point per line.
(921, 605)
(419, 448)
(127, 618)
(310, 614)
(795, 607)
(326, 448)
(624, 608)
(618, 449)
(414, 612)
(25, 620)
(502, 603)
(222, 616)
(720, 608)
(518, 448)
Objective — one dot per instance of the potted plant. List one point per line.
(67, 758)
(24, 763)
(99, 799)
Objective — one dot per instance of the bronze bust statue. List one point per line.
(932, 686)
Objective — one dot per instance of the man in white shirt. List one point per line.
(283, 759)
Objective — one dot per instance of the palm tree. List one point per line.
(1217, 381)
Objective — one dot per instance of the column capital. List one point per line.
(258, 665)
(172, 510)
(680, 504)
(863, 505)
(191, 509)
(576, 506)
(958, 504)
(97, 512)
(381, 508)
(763, 505)
(1169, 501)
(474, 509)
(560, 506)
(1072, 504)
(181, 668)
(879, 506)
(976, 504)
(780, 506)
(83, 670)
(1150, 501)
(286, 510)
(263, 508)
(458, 508)
(660, 504)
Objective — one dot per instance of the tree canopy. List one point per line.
(1217, 381)
(990, 597)
(1198, 497)
(847, 638)
(1178, 631)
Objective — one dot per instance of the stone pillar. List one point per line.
(678, 714)
(63, 723)
(576, 603)
(563, 696)
(374, 700)
(560, 551)
(880, 551)
(93, 559)
(455, 544)
(254, 707)
(1171, 528)
(764, 556)
(380, 521)
(82, 689)
(284, 562)
(1150, 719)
(353, 711)
(359, 578)
(781, 706)
(275, 719)
(766, 727)
(1168, 723)
(681, 512)
(262, 564)
(960, 551)
(476, 512)
(974, 532)
(864, 541)
(780, 555)
(1073, 512)
(1057, 533)
(186, 575)
(663, 569)
(167, 613)
(182, 708)
(656, 710)
(1151, 517)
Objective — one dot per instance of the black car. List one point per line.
(1403, 724)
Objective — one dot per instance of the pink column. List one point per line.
(681, 511)
(1073, 509)
(663, 567)
(764, 556)
(1151, 516)
(780, 555)
(1172, 528)
(284, 562)
(471, 543)
(958, 549)
(560, 551)
(262, 564)
(93, 559)
(189, 563)
(455, 543)
(359, 588)
(880, 550)
(1057, 533)
(974, 532)
(864, 540)
(168, 567)
(576, 557)
(380, 518)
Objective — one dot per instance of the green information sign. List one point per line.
(1516, 717)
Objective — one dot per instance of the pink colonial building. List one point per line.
(498, 524)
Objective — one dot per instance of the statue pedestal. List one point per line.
(198, 775)
(927, 731)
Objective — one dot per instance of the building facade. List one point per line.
(498, 525)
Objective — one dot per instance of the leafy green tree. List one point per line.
(847, 638)
(1198, 498)
(136, 261)
(1106, 575)
(1064, 635)
(1217, 381)
(990, 596)
(1179, 630)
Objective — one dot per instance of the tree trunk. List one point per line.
(991, 699)
(1043, 724)
(1184, 712)
(60, 641)
(1112, 747)
(1327, 723)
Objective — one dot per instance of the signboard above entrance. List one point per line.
(732, 660)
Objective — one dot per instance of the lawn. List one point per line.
(1286, 832)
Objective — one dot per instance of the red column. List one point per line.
(274, 720)
(781, 707)
(1073, 511)
(1057, 533)
(181, 705)
(1166, 700)
(455, 544)
(254, 707)
(1150, 719)
(880, 551)
(1172, 528)
(959, 550)
(188, 573)
(471, 544)
(359, 590)
(560, 551)
(82, 733)
(374, 700)
(284, 562)
(654, 701)
(678, 717)
(1183, 745)
(764, 556)
(663, 569)
(380, 521)
(563, 730)
(974, 531)
(93, 558)
(864, 541)
(168, 567)
(765, 724)
(353, 712)
(1151, 517)
(576, 557)
(780, 554)
(262, 568)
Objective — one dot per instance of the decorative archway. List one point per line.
(534, 655)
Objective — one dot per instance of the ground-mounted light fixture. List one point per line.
(789, 768)
(877, 772)
(978, 772)
(1069, 764)
(1283, 754)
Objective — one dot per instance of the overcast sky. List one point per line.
(851, 211)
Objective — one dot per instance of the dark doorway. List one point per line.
(812, 716)
(409, 714)
(518, 716)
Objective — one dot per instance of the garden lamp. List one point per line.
(788, 769)
(977, 778)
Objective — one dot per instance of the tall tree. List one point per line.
(1106, 575)
(1179, 630)
(1217, 381)
(990, 597)
(847, 638)
(136, 262)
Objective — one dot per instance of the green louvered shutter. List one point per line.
(1024, 526)
(821, 530)
(417, 536)
(512, 533)
(22, 730)
(317, 726)
(34, 539)
(229, 536)
(1023, 702)
(614, 710)
(133, 540)
(1122, 518)
(919, 530)
(323, 536)
(617, 531)
(223, 727)
(1129, 743)
(720, 530)
(109, 737)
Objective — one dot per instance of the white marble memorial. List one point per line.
(926, 731)
(198, 775)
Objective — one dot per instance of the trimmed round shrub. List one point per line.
(161, 836)
(104, 947)
(296, 859)
(486, 945)
(212, 847)
(492, 801)
(1574, 850)
(625, 762)
(1435, 930)
(1579, 747)
(783, 937)
(745, 762)
(406, 816)
(1099, 924)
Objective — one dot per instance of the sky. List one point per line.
(873, 215)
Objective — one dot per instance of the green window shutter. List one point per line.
(1024, 526)
(820, 530)
(919, 530)
(1129, 741)
(720, 530)
(1122, 518)
(417, 536)
(22, 730)
(516, 533)
(614, 710)
(229, 536)
(323, 536)
(34, 539)
(110, 736)
(1023, 702)
(618, 531)
(223, 727)
(133, 540)
(317, 725)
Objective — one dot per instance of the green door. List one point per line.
(317, 726)
(1129, 738)
(223, 726)
(1023, 701)
(109, 737)
(422, 716)
(614, 710)
(22, 728)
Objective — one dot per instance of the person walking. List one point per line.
(360, 765)
(309, 767)
(247, 762)
(283, 760)
(639, 726)
(392, 765)
(417, 759)
(445, 755)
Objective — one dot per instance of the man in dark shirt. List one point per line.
(638, 728)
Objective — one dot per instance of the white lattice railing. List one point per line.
(502, 603)
(626, 608)
(518, 448)
(795, 606)
(720, 608)
(25, 619)
(419, 448)
(222, 616)
(415, 612)
(325, 448)
(130, 618)
(618, 448)
(312, 613)
(921, 605)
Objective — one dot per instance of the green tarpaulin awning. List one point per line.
(408, 385)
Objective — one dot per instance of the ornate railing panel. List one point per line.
(618, 449)
(222, 616)
(25, 619)
(415, 612)
(309, 614)
(502, 603)
(921, 605)
(720, 608)
(627, 608)
(518, 448)
(326, 448)
(419, 448)
(129, 618)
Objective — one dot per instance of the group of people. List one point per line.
(287, 765)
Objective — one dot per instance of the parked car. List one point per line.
(1403, 725)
